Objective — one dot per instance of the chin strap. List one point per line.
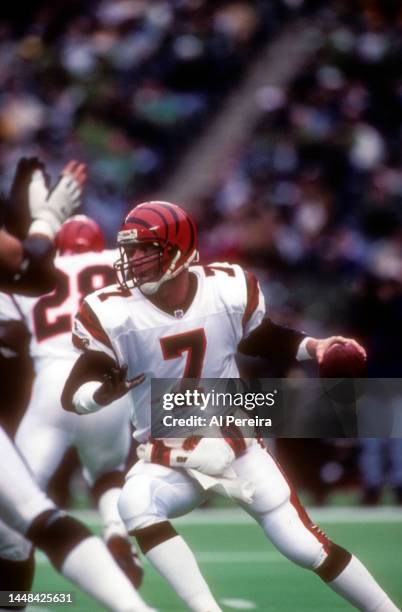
(151, 288)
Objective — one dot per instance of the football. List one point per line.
(343, 361)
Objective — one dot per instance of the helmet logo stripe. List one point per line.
(160, 215)
(192, 236)
(173, 213)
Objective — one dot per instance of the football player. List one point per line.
(170, 318)
(24, 507)
(46, 431)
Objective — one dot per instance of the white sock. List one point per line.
(176, 563)
(112, 523)
(91, 567)
(358, 586)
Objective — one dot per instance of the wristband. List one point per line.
(302, 352)
(83, 398)
(42, 227)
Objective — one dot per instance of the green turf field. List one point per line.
(245, 571)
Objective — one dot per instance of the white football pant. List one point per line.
(21, 501)
(47, 431)
(155, 493)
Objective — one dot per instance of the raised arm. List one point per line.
(278, 342)
(95, 381)
(32, 216)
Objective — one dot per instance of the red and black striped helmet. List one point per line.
(163, 225)
(79, 234)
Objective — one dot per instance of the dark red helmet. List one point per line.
(167, 228)
(79, 234)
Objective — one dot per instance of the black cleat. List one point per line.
(126, 558)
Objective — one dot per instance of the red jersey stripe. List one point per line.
(252, 297)
(90, 321)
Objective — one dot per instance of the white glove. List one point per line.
(211, 456)
(50, 209)
(37, 193)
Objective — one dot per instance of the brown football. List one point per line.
(342, 361)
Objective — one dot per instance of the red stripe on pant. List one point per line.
(234, 437)
(296, 503)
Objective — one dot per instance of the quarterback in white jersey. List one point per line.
(169, 318)
(198, 341)
(46, 431)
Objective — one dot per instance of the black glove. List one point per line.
(116, 385)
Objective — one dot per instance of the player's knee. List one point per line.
(304, 546)
(138, 503)
(13, 546)
(308, 555)
(153, 535)
(311, 558)
(105, 482)
(57, 535)
(334, 563)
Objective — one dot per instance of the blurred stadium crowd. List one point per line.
(313, 200)
(122, 85)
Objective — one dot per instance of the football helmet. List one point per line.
(79, 234)
(170, 231)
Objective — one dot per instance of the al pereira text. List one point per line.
(217, 420)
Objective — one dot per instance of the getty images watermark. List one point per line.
(289, 408)
(181, 408)
(218, 402)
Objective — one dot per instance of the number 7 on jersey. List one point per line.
(194, 343)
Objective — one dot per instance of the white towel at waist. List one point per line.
(228, 485)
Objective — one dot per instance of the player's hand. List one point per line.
(115, 385)
(18, 210)
(317, 348)
(76, 171)
(52, 210)
(38, 190)
(65, 198)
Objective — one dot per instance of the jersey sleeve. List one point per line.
(254, 306)
(9, 310)
(241, 294)
(89, 333)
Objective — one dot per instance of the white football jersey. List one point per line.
(198, 343)
(49, 318)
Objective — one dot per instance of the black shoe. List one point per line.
(126, 558)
